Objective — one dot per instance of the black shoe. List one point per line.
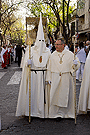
(5, 67)
(58, 119)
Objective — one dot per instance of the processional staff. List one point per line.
(29, 41)
(75, 105)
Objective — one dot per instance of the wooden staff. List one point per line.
(75, 85)
(29, 84)
(29, 43)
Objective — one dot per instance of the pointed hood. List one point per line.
(40, 33)
(39, 51)
(40, 45)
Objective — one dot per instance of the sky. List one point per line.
(73, 1)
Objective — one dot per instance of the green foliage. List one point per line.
(47, 10)
(9, 23)
(53, 10)
(18, 32)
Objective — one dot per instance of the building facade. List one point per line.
(81, 26)
(83, 11)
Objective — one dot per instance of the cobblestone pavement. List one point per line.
(12, 125)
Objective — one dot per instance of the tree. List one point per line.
(8, 17)
(58, 14)
(18, 32)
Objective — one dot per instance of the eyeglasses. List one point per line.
(58, 44)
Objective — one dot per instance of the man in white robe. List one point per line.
(59, 71)
(39, 59)
(84, 97)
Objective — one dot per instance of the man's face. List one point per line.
(59, 46)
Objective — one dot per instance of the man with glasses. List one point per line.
(59, 71)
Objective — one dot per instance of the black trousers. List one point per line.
(19, 60)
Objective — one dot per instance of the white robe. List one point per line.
(62, 87)
(84, 97)
(2, 53)
(37, 87)
(82, 58)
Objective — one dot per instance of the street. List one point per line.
(12, 125)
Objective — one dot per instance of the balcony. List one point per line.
(83, 27)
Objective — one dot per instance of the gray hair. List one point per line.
(62, 41)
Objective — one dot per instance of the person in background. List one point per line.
(87, 48)
(12, 54)
(66, 46)
(9, 55)
(15, 53)
(4, 57)
(81, 54)
(19, 54)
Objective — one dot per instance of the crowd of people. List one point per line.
(6, 56)
(52, 85)
(10, 54)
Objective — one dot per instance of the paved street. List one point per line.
(12, 125)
